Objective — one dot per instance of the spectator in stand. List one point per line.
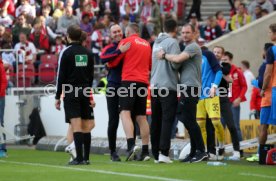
(249, 77)
(59, 10)
(221, 21)
(255, 101)
(5, 19)
(66, 20)
(20, 26)
(149, 17)
(26, 9)
(7, 6)
(69, 3)
(26, 50)
(109, 7)
(130, 8)
(85, 24)
(257, 13)
(107, 21)
(235, 8)
(8, 56)
(168, 9)
(5, 36)
(212, 30)
(195, 9)
(85, 8)
(265, 4)
(58, 47)
(241, 18)
(124, 23)
(49, 20)
(39, 38)
(237, 95)
(97, 42)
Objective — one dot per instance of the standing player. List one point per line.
(164, 108)
(268, 93)
(135, 80)
(76, 69)
(190, 79)
(111, 53)
(209, 101)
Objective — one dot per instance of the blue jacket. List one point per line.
(109, 53)
(211, 73)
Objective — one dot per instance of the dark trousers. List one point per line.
(188, 108)
(163, 115)
(195, 9)
(113, 119)
(227, 119)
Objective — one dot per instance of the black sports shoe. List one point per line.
(144, 157)
(221, 153)
(86, 162)
(114, 157)
(187, 159)
(199, 156)
(131, 153)
(76, 162)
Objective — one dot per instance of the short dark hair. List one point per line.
(242, 4)
(245, 63)
(272, 27)
(221, 47)
(190, 25)
(74, 32)
(267, 46)
(134, 27)
(170, 25)
(217, 13)
(229, 54)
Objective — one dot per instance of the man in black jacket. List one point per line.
(75, 77)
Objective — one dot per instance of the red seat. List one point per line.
(29, 75)
(47, 73)
(49, 58)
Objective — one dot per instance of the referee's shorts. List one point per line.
(77, 105)
(133, 98)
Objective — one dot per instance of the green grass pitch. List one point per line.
(33, 165)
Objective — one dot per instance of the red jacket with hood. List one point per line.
(239, 86)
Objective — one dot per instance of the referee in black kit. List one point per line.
(75, 77)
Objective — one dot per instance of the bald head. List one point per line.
(116, 33)
(131, 29)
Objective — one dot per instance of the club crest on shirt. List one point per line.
(235, 76)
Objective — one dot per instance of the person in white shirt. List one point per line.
(25, 49)
(249, 77)
(5, 19)
(25, 8)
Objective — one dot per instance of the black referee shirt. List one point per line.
(75, 67)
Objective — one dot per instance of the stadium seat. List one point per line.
(29, 75)
(47, 73)
(49, 58)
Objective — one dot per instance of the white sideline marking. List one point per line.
(95, 171)
(258, 175)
